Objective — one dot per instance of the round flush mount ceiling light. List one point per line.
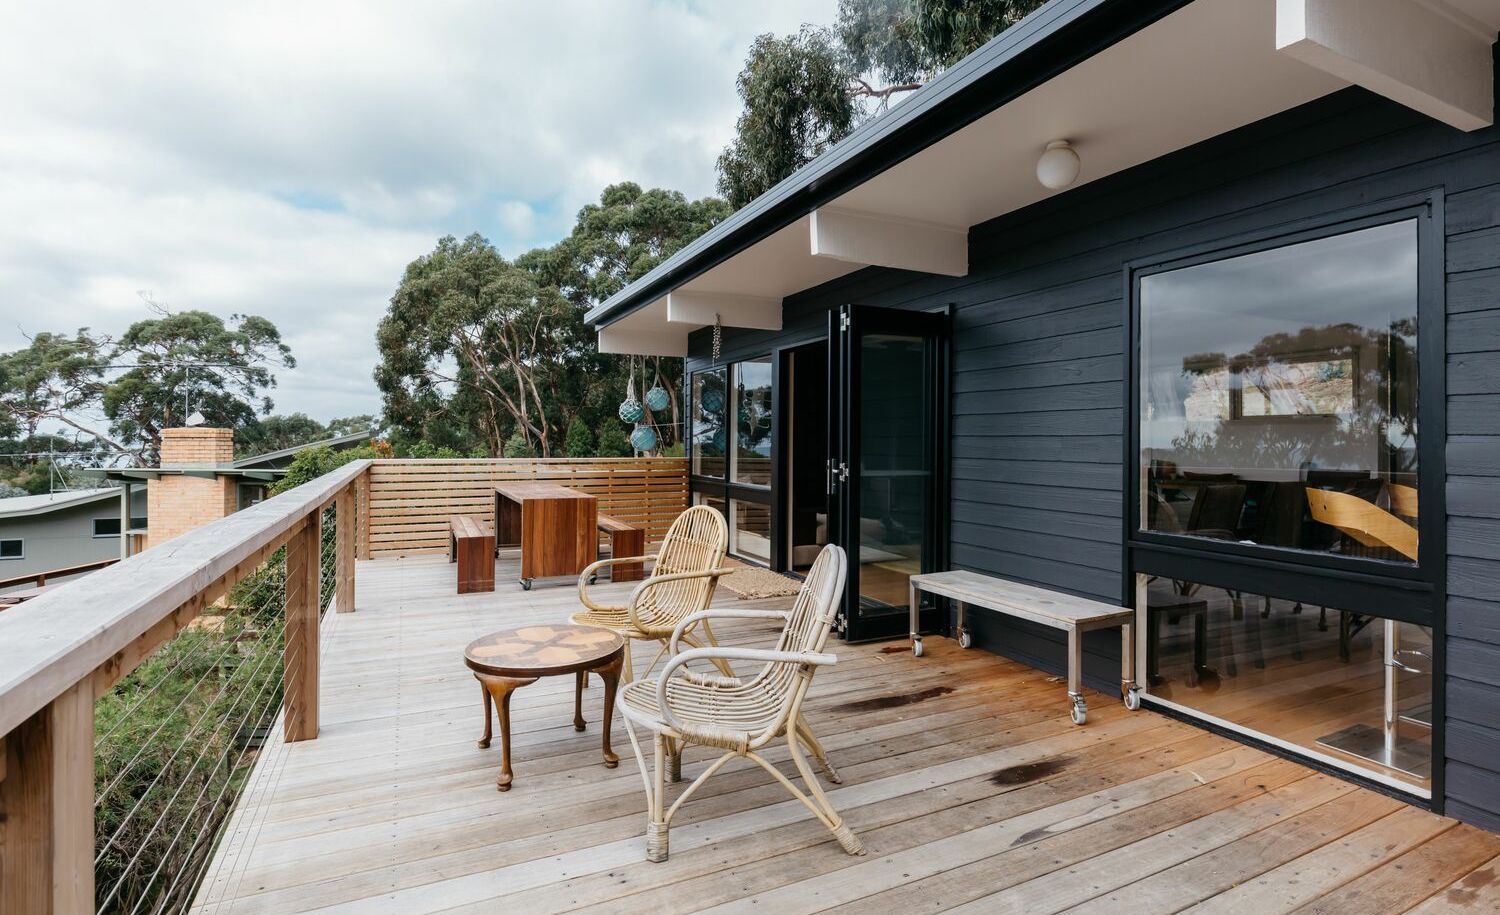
(1058, 167)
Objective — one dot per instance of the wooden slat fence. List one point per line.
(411, 501)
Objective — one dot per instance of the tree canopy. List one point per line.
(157, 373)
(481, 352)
(803, 93)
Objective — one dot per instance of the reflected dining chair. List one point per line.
(682, 582)
(741, 716)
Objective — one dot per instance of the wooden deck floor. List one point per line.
(961, 773)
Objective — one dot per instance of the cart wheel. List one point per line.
(525, 584)
(916, 648)
(964, 639)
(1080, 710)
(1132, 699)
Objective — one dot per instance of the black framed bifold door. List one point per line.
(1284, 530)
(887, 471)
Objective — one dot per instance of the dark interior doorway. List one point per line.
(805, 405)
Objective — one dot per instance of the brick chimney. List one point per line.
(177, 503)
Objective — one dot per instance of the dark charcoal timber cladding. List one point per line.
(1039, 371)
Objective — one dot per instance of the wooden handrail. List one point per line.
(64, 648)
(40, 578)
(59, 638)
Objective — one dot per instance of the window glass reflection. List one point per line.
(1351, 687)
(1278, 397)
(710, 436)
(752, 404)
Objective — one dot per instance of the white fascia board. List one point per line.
(886, 241)
(702, 308)
(666, 341)
(1420, 53)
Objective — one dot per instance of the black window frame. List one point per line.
(1405, 592)
(725, 488)
(21, 546)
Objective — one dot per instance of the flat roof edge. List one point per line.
(1051, 40)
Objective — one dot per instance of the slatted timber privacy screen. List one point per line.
(410, 501)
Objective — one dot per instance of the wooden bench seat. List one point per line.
(471, 544)
(1075, 615)
(625, 539)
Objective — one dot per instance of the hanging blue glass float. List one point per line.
(717, 440)
(643, 438)
(631, 410)
(657, 398)
(712, 401)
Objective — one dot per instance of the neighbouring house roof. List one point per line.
(262, 468)
(273, 458)
(26, 506)
(1126, 82)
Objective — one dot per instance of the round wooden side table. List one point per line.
(505, 661)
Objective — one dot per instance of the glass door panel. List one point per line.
(890, 382)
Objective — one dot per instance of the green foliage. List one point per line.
(579, 441)
(427, 450)
(613, 443)
(61, 379)
(805, 92)
(312, 463)
(796, 105)
(228, 388)
(274, 433)
(517, 447)
(475, 348)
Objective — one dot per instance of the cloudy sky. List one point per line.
(289, 159)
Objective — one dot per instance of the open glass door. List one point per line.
(888, 402)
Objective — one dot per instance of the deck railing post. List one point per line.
(362, 499)
(47, 808)
(300, 658)
(343, 545)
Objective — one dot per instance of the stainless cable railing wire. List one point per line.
(178, 737)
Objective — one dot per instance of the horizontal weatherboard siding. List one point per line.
(1040, 375)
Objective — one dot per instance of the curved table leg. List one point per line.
(499, 690)
(484, 742)
(582, 680)
(610, 673)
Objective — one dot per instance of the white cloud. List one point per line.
(288, 159)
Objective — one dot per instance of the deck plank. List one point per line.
(961, 772)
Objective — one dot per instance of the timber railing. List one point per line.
(410, 501)
(38, 579)
(132, 703)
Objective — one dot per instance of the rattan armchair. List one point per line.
(682, 582)
(740, 716)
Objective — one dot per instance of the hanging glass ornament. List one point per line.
(657, 398)
(712, 400)
(630, 409)
(717, 441)
(643, 438)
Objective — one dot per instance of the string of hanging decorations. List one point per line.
(632, 410)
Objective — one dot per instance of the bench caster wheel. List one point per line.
(1080, 711)
(964, 639)
(916, 648)
(525, 584)
(1133, 699)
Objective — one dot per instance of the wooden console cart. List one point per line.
(554, 526)
(1075, 615)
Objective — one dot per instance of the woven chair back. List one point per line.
(695, 542)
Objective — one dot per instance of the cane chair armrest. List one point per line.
(763, 655)
(593, 568)
(656, 581)
(714, 613)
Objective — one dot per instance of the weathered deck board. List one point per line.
(962, 774)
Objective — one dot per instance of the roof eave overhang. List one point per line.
(1050, 41)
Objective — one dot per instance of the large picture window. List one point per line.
(1278, 396)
